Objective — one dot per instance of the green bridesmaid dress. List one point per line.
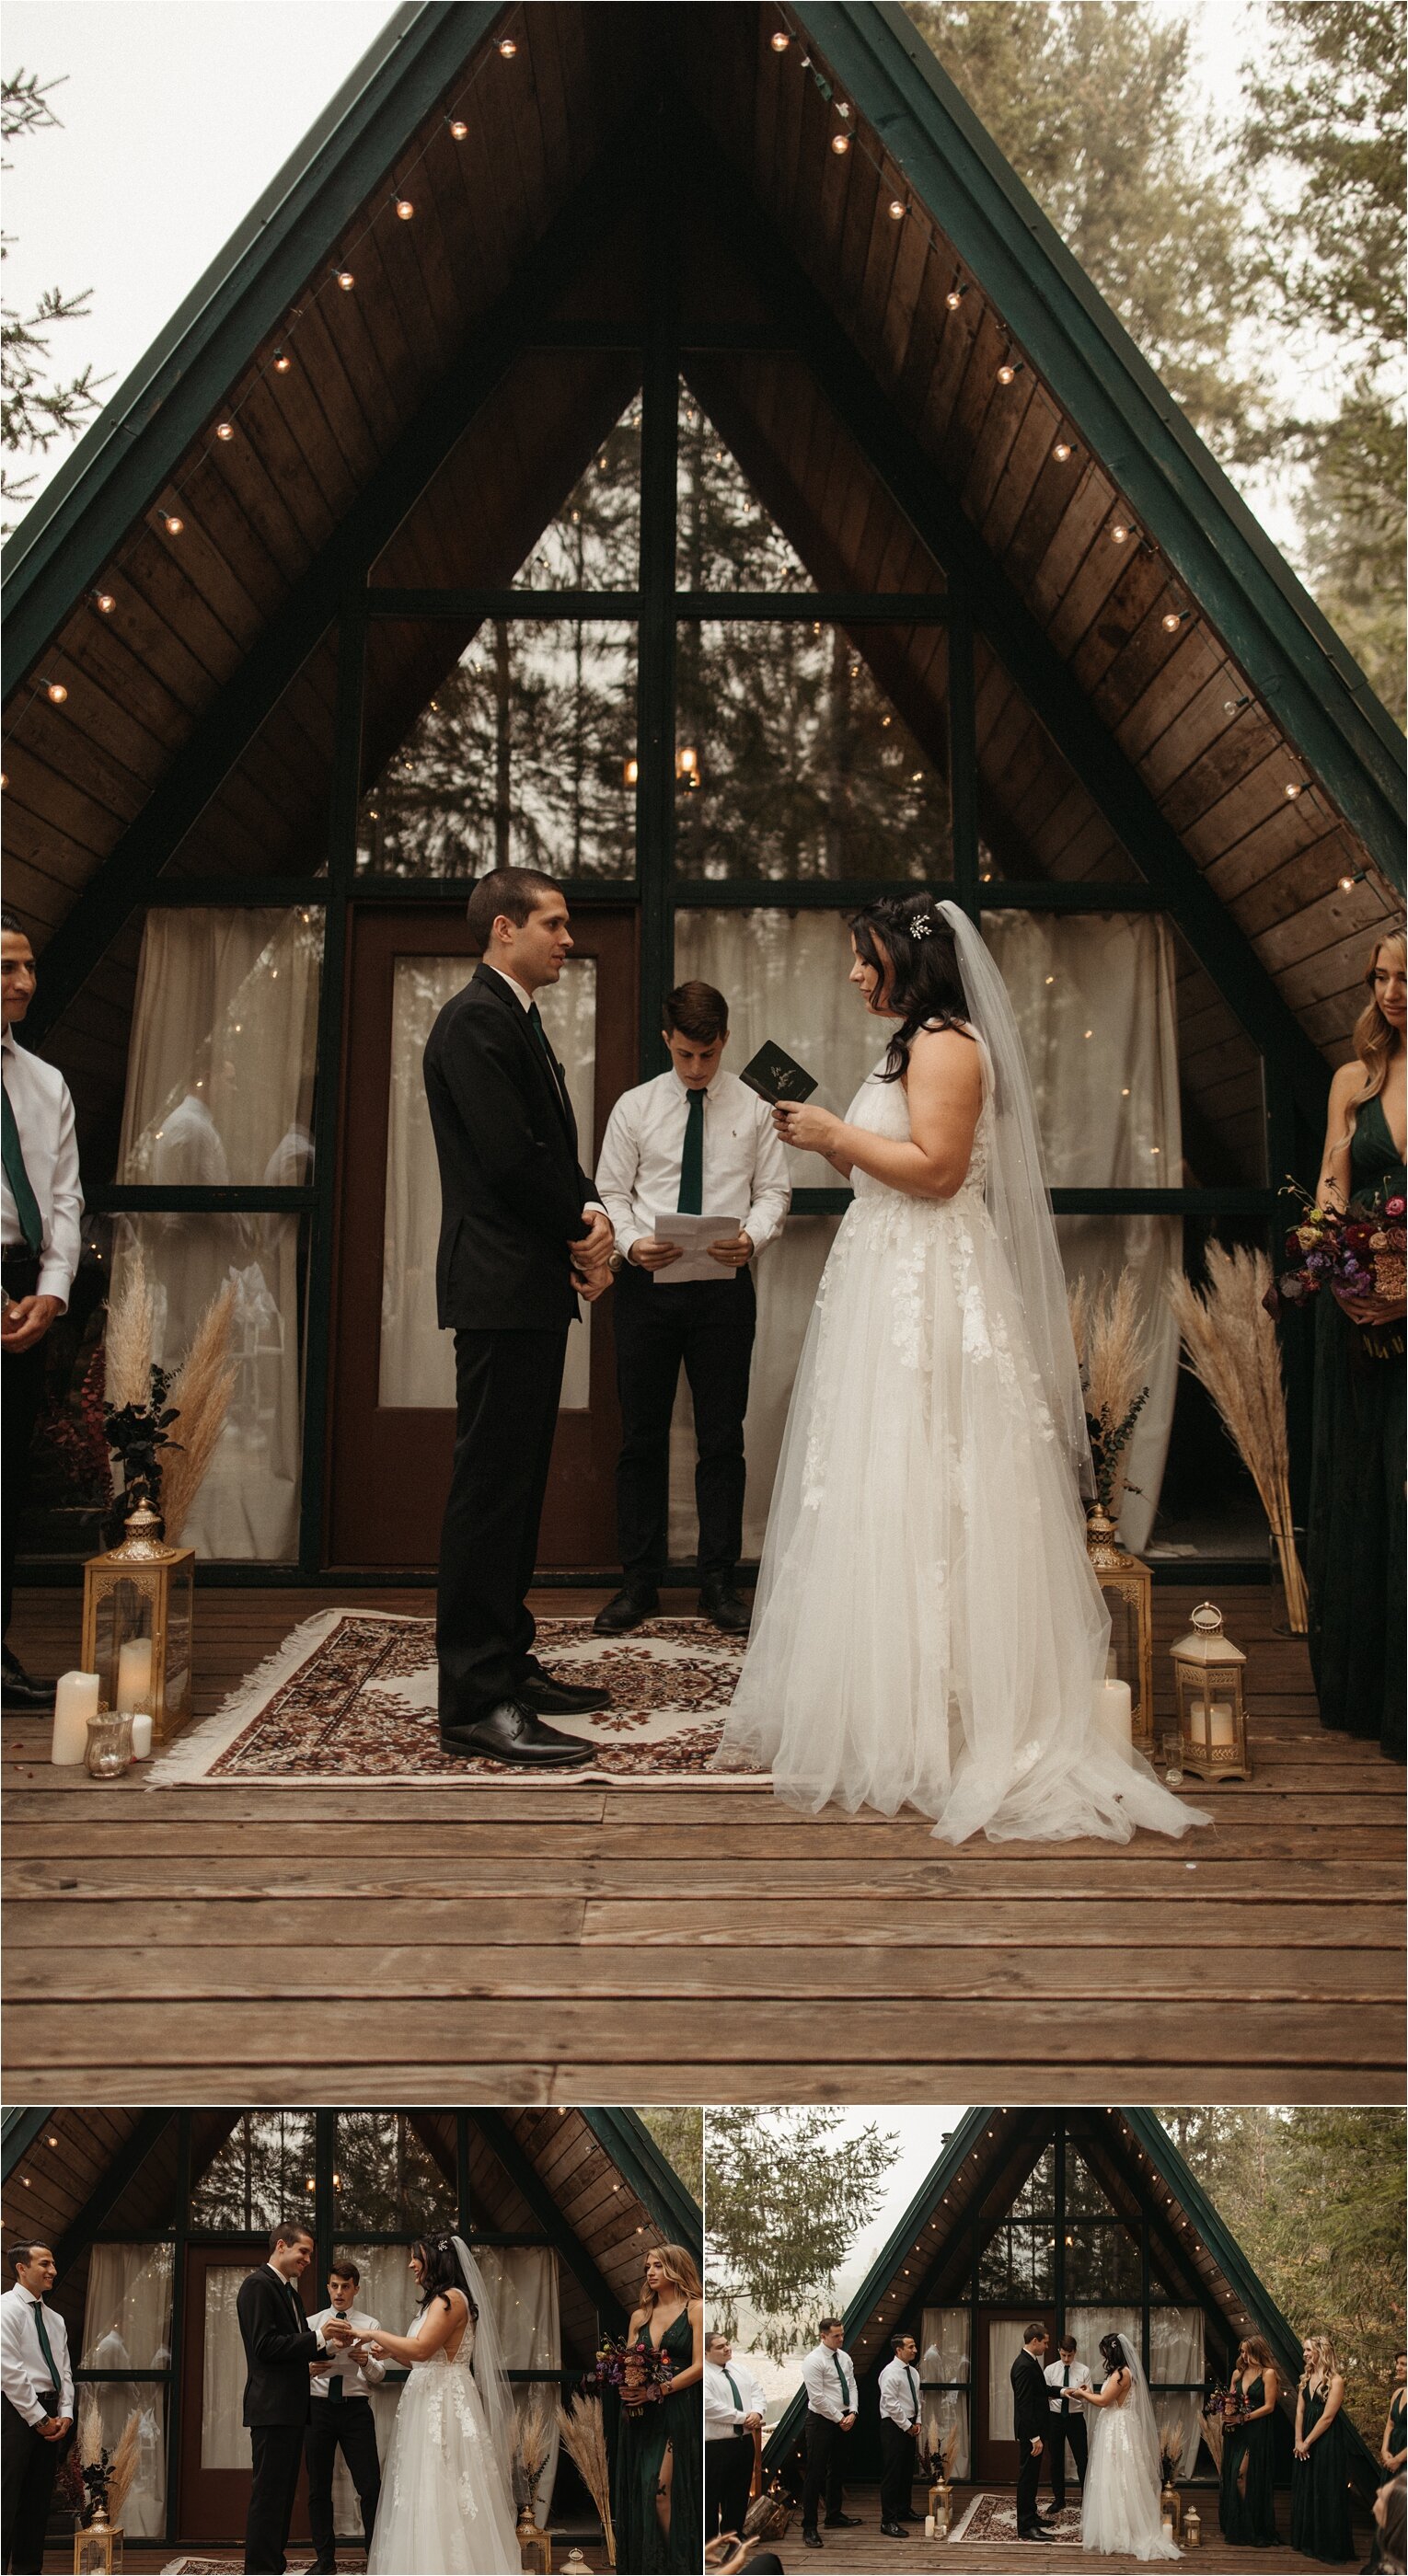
(1320, 2518)
(1249, 2521)
(1355, 1540)
(642, 2548)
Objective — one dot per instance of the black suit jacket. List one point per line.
(277, 2389)
(511, 1188)
(1031, 2398)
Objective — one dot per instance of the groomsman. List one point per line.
(1067, 2421)
(1031, 2418)
(734, 2410)
(37, 2414)
(829, 2378)
(279, 2345)
(341, 2420)
(41, 1220)
(695, 1140)
(899, 2436)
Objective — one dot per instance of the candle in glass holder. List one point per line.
(1213, 1722)
(141, 1737)
(134, 1674)
(75, 1701)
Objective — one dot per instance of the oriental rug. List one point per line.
(994, 2517)
(351, 1696)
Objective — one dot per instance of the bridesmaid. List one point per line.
(1355, 1535)
(1320, 2518)
(1247, 2508)
(1393, 2449)
(658, 2499)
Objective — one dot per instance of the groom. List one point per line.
(279, 2344)
(1031, 2416)
(521, 1237)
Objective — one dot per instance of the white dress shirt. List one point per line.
(745, 1160)
(358, 2378)
(285, 2284)
(44, 1122)
(899, 2393)
(1055, 2376)
(822, 2385)
(23, 2368)
(524, 999)
(723, 2420)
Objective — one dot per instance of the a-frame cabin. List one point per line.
(667, 444)
(154, 2216)
(1092, 2221)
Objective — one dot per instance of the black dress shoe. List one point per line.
(515, 1734)
(626, 1609)
(1034, 2532)
(21, 1690)
(894, 2531)
(554, 1698)
(811, 2540)
(728, 1610)
(841, 2522)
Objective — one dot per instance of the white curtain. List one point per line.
(127, 2326)
(1176, 2352)
(521, 2281)
(1004, 2344)
(224, 2443)
(387, 2291)
(417, 1360)
(944, 2355)
(221, 1059)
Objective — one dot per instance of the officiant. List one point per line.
(340, 2388)
(695, 1142)
(1067, 2422)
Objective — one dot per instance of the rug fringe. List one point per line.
(190, 1756)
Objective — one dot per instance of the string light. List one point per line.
(1349, 881)
(404, 209)
(897, 210)
(458, 129)
(1174, 618)
(104, 602)
(1120, 533)
(282, 362)
(54, 691)
(780, 40)
(1234, 706)
(1295, 787)
(955, 296)
(225, 429)
(172, 524)
(1009, 370)
(1062, 451)
(840, 142)
(508, 49)
(345, 280)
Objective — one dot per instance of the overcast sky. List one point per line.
(177, 113)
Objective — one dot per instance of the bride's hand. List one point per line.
(812, 1131)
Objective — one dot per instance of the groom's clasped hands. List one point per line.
(591, 1256)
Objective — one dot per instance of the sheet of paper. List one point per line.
(693, 1234)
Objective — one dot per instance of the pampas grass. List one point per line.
(1114, 1361)
(532, 2440)
(1230, 1346)
(125, 2461)
(1212, 2435)
(131, 1324)
(583, 2430)
(199, 1395)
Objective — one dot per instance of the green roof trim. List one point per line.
(643, 2164)
(19, 2131)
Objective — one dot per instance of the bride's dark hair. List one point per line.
(911, 947)
(1112, 2352)
(441, 2271)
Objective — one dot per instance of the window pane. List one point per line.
(725, 538)
(103, 2415)
(522, 754)
(1019, 2262)
(262, 2173)
(127, 2308)
(593, 543)
(1102, 2260)
(793, 760)
(223, 1053)
(1035, 818)
(385, 2176)
(247, 1505)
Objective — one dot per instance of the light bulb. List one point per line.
(225, 429)
(1120, 533)
(1006, 372)
(55, 692)
(896, 210)
(1346, 885)
(780, 40)
(1172, 621)
(282, 363)
(346, 280)
(1062, 452)
(954, 297)
(1295, 786)
(104, 600)
(458, 128)
(632, 772)
(840, 142)
(172, 524)
(508, 49)
(404, 209)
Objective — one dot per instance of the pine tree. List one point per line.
(786, 2199)
(35, 412)
(679, 2135)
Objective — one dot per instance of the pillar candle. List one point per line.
(1198, 1720)
(1223, 1726)
(928, 2526)
(134, 1674)
(75, 1701)
(1117, 1711)
(141, 1738)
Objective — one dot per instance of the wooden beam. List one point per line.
(651, 2176)
(111, 2185)
(21, 2131)
(525, 2177)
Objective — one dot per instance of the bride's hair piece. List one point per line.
(1322, 2362)
(910, 945)
(1112, 2352)
(441, 2271)
(680, 2270)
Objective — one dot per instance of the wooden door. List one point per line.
(214, 2467)
(995, 2457)
(392, 1429)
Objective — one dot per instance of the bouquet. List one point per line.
(1359, 1251)
(1226, 2407)
(640, 2375)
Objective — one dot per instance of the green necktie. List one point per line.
(1065, 2384)
(335, 2381)
(26, 1204)
(49, 2362)
(733, 2384)
(845, 2392)
(691, 1197)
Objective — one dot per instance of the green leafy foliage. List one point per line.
(787, 2198)
(35, 412)
(679, 2135)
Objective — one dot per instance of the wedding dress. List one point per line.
(1120, 2511)
(446, 2504)
(927, 1629)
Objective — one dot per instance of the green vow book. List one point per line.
(775, 1077)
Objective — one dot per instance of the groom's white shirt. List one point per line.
(1080, 2378)
(358, 2378)
(899, 2393)
(822, 2385)
(285, 2284)
(23, 2368)
(721, 2417)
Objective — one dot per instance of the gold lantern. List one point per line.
(1192, 2528)
(97, 2547)
(1212, 1709)
(1128, 1587)
(534, 2546)
(1171, 2506)
(137, 1624)
(941, 2507)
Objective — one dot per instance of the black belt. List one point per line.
(20, 1268)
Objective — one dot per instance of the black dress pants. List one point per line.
(728, 2475)
(708, 1326)
(1028, 2479)
(277, 2451)
(1067, 2429)
(506, 1394)
(21, 1391)
(825, 2455)
(28, 2467)
(351, 2428)
(897, 2456)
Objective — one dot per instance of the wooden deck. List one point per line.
(580, 1942)
(867, 2553)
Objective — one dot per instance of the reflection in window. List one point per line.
(262, 2173)
(1102, 2260)
(127, 2308)
(726, 539)
(793, 762)
(593, 543)
(523, 754)
(221, 1063)
(385, 2176)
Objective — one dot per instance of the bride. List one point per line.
(1120, 2513)
(928, 1630)
(446, 2492)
